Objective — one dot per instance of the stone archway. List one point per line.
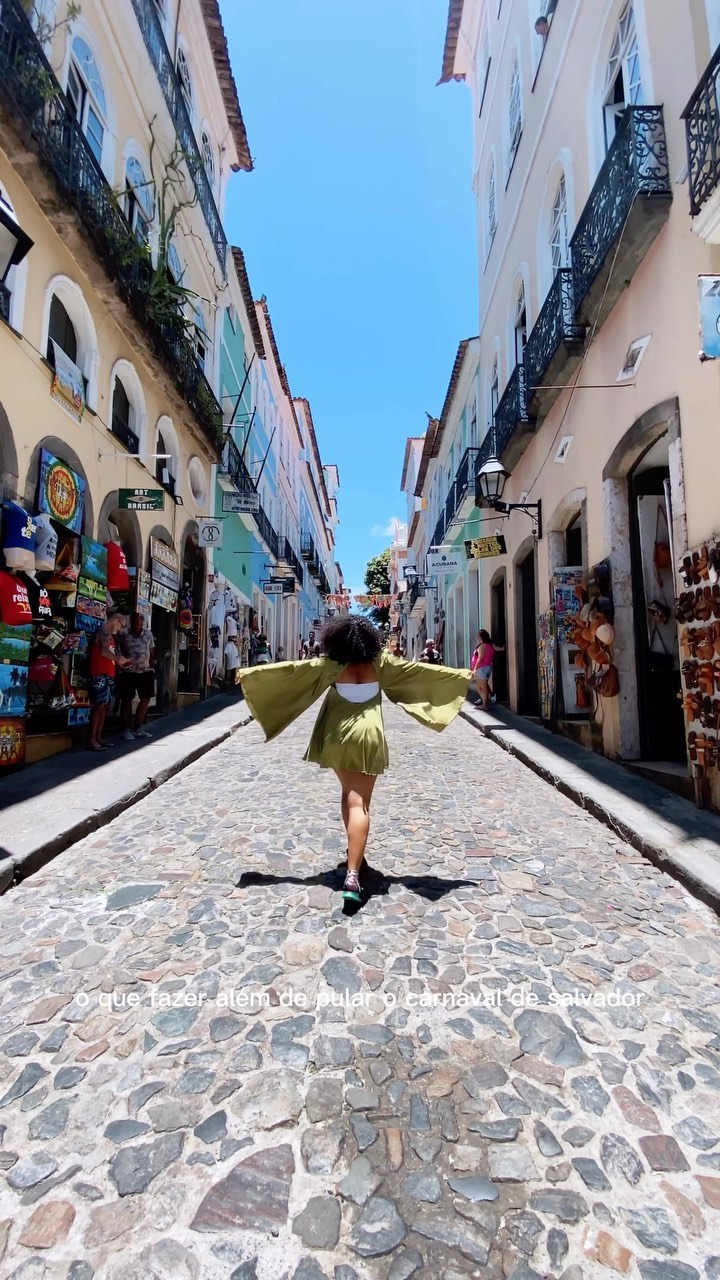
(662, 419)
(127, 525)
(60, 449)
(9, 475)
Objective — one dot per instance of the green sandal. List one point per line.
(351, 888)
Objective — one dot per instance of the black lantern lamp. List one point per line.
(490, 486)
(410, 574)
(14, 242)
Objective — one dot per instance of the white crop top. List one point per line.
(358, 692)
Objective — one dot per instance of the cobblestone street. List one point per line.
(505, 1064)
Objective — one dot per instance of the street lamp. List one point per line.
(490, 486)
(14, 242)
(410, 574)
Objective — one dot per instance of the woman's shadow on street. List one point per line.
(374, 883)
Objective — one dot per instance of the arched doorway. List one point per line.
(528, 699)
(193, 578)
(163, 568)
(498, 631)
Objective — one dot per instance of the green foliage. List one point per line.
(377, 581)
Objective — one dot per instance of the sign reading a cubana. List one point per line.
(61, 492)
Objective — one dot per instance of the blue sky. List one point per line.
(358, 223)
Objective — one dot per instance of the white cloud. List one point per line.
(386, 530)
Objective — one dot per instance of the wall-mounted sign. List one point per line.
(143, 584)
(210, 533)
(247, 501)
(163, 597)
(169, 578)
(164, 554)
(272, 588)
(443, 562)
(709, 302)
(142, 499)
(61, 492)
(482, 548)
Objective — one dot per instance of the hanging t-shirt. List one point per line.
(217, 610)
(232, 657)
(39, 599)
(18, 537)
(46, 543)
(231, 627)
(118, 578)
(15, 607)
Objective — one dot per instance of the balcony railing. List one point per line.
(152, 33)
(439, 531)
(234, 467)
(555, 332)
(702, 134)
(636, 167)
(307, 547)
(4, 303)
(465, 475)
(511, 412)
(31, 93)
(266, 531)
(125, 435)
(290, 558)
(450, 505)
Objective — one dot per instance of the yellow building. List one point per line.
(120, 127)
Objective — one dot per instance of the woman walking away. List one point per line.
(349, 735)
(483, 666)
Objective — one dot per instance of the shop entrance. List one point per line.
(498, 631)
(191, 666)
(526, 606)
(656, 645)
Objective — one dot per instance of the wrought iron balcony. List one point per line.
(439, 531)
(152, 33)
(290, 558)
(266, 532)
(555, 345)
(31, 94)
(307, 546)
(4, 303)
(450, 505)
(513, 423)
(627, 207)
(702, 135)
(234, 468)
(125, 435)
(465, 477)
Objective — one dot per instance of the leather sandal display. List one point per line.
(690, 674)
(706, 679)
(703, 604)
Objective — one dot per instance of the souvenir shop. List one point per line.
(230, 633)
(56, 586)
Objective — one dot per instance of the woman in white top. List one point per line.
(349, 735)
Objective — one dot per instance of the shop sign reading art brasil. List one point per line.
(142, 499)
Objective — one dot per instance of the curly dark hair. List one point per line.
(351, 639)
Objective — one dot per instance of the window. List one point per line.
(473, 426)
(514, 116)
(183, 70)
(494, 391)
(544, 20)
(175, 268)
(123, 419)
(163, 472)
(208, 157)
(491, 208)
(86, 96)
(623, 85)
(483, 65)
(200, 339)
(520, 326)
(139, 199)
(559, 230)
(62, 331)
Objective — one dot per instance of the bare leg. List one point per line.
(141, 713)
(127, 704)
(357, 793)
(97, 721)
(484, 691)
(345, 810)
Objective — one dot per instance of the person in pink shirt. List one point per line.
(482, 666)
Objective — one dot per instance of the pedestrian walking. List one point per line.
(137, 679)
(349, 736)
(431, 654)
(262, 650)
(104, 661)
(483, 658)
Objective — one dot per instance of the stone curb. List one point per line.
(17, 866)
(663, 840)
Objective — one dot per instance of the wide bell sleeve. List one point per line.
(431, 695)
(277, 693)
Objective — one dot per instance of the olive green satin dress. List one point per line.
(351, 735)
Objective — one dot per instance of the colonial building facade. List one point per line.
(595, 132)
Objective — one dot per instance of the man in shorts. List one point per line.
(137, 677)
(104, 661)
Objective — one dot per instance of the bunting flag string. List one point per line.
(375, 601)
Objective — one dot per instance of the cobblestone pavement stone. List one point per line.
(506, 1064)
